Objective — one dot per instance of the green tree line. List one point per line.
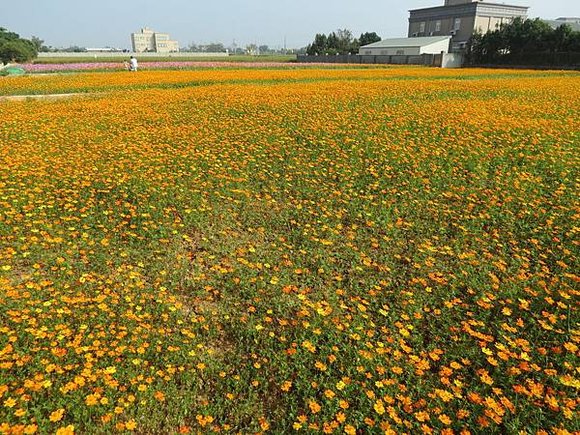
(13, 48)
(340, 42)
(524, 41)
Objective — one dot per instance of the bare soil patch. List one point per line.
(38, 97)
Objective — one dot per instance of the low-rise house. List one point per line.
(408, 46)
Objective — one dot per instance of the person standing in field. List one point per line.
(133, 64)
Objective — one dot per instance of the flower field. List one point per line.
(148, 65)
(346, 250)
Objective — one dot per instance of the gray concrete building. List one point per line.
(461, 18)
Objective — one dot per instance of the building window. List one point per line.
(422, 27)
(457, 24)
(400, 52)
(438, 25)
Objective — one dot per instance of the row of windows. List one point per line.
(456, 25)
(386, 52)
(148, 37)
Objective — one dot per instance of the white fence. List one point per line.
(452, 60)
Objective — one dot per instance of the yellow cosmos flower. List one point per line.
(56, 415)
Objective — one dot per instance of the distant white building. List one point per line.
(573, 22)
(148, 40)
(408, 46)
(568, 20)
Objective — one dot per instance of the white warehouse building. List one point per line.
(408, 46)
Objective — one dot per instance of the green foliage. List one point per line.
(5, 35)
(368, 38)
(318, 46)
(523, 41)
(39, 45)
(214, 47)
(17, 51)
(340, 42)
(13, 48)
(74, 49)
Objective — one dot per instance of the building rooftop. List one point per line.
(574, 25)
(472, 4)
(407, 42)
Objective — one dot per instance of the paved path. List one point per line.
(38, 97)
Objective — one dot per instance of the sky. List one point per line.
(109, 23)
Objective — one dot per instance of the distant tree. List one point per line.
(5, 35)
(13, 48)
(574, 42)
(521, 36)
(191, 48)
(214, 47)
(264, 49)
(74, 49)
(332, 43)
(252, 49)
(339, 42)
(319, 45)
(345, 41)
(522, 41)
(488, 48)
(561, 38)
(39, 44)
(368, 38)
(17, 51)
